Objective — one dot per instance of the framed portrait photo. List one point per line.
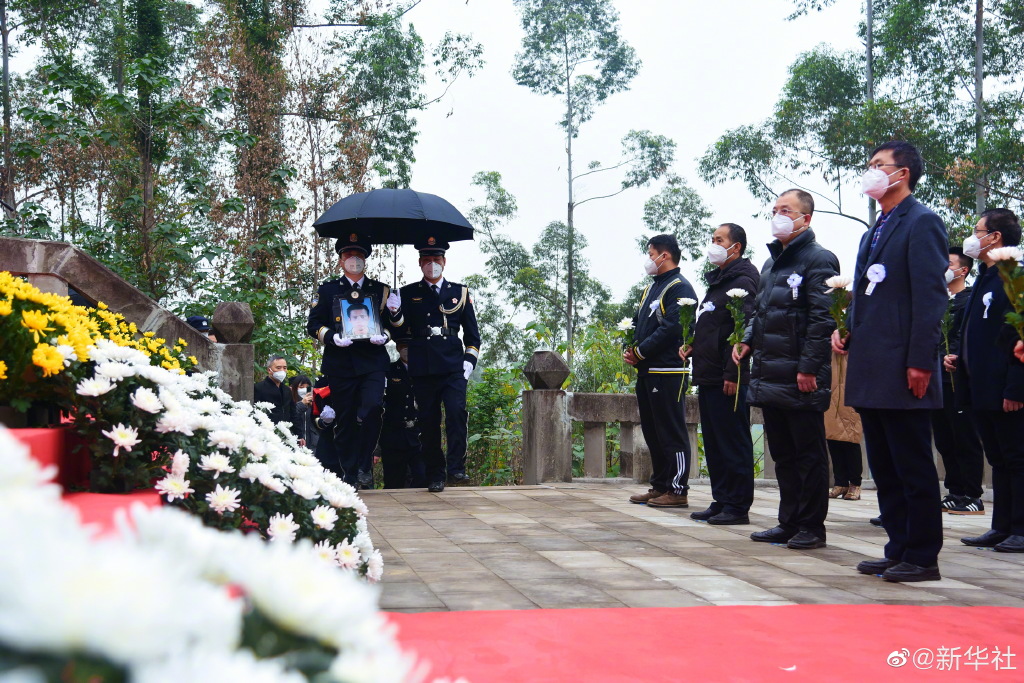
(357, 317)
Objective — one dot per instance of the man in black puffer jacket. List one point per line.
(791, 370)
(724, 419)
(661, 378)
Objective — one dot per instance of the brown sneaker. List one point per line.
(838, 491)
(852, 494)
(668, 500)
(642, 498)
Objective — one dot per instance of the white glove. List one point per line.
(394, 302)
(327, 415)
(467, 369)
(378, 339)
(342, 341)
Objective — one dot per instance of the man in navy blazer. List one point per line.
(899, 297)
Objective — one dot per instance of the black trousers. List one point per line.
(847, 463)
(728, 448)
(796, 439)
(899, 449)
(433, 391)
(327, 454)
(663, 422)
(402, 464)
(957, 440)
(1003, 436)
(359, 404)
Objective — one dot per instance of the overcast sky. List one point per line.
(708, 66)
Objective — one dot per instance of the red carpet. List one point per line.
(790, 643)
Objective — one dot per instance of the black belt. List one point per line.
(437, 332)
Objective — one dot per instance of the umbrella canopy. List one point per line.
(395, 217)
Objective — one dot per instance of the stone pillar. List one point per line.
(692, 421)
(234, 324)
(642, 465)
(547, 437)
(595, 460)
(626, 448)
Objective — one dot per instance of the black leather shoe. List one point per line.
(436, 487)
(876, 521)
(805, 540)
(775, 535)
(876, 566)
(904, 572)
(460, 478)
(723, 518)
(989, 539)
(705, 515)
(1013, 544)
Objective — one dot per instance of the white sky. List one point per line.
(708, 66)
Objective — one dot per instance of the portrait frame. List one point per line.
(349, 320)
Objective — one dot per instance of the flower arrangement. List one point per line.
(1008, 260)
(171, 600)
(739, 326)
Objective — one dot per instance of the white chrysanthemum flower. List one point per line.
(207, 405)
(273, 483)
(19, 471)
(68, 353)
(264, 405)
(360, 507)
(174, 487)
(364, 543)
(223, 499)
(175, 421)
(737, 293)
(324, 517)
(123, 437)
(218, 463)
(1006, 254)
(222, 438)
(240, 665)
(115, 372)
(625, 324)
(146, 399)
(686, 301)
(305, 457)
(179, 463)
(339, 497)
(375, 566)
(362, 526)
(348, 555)
(325, 551)
(282, 528)
(256, 446)
(253, 471)
(839, 282)
(306, 489)
(93, 386)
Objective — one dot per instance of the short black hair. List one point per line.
(804, 197)
(662, 243)
(273, 358)
(1005, 223)
(904, 154)
(964, 260)
(736, 234)
(357, 307)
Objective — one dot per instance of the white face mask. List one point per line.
(431, 270)
(972, 247)
(718, 254)
(280, 375)
(650, 265)
(302, 392)
(782, 226)
(875, 182)
(354, 265)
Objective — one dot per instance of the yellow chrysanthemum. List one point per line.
(48, 358)
(36, 322)
(3, 370)
(6, 306)
(102, 306)
(192, 360)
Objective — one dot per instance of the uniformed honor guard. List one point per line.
(435, 311)
(355, 368)
(400, 451)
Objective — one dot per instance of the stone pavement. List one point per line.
(585, 545)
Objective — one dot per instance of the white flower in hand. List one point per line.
(1006, 254)
(684, 301)
(838, 282)
(737, 293)
(223, 500)
(625, 324)
(123, 437)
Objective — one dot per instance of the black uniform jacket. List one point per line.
(657, 334)
(399, 431)
(362, 357)
(712, 353)
(791, 331)
(435, 323)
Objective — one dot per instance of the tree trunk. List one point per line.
(979, 103)
(7, 174)
(870, 78)
(570, 270)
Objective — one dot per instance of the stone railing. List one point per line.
(58, 267)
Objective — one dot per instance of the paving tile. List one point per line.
(497, 600)
(656, 598)
(630, 548)
(671, 566)
(442, 583)
(580, 559)
(441, 561)
(552, 542)
(511, 568)
(407, 531)
(722, 588)
(622, 579)
(406, 546)
(564, 593)
(408, 595)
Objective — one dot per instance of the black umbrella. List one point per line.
(395, 217)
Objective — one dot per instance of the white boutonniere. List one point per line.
(706, 307)
(876, 274)
(654, 306)
(794, 281)
(987, 300)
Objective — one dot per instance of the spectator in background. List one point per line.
(302, 395)
(274, 391)
(201, 324)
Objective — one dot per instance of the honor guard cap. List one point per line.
(198, 322)
(431, 246)
(354, 241)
